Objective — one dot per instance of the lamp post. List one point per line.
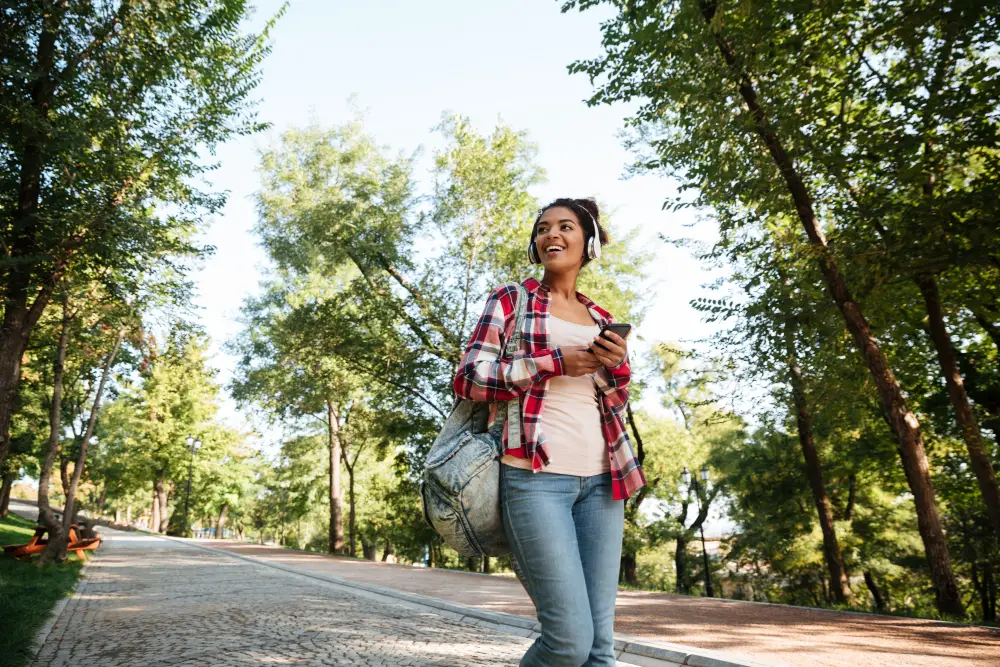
(283, 484)
(193, 444)
(692, 483)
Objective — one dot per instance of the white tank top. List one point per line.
(571, 415)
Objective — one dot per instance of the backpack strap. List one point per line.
(512, 346)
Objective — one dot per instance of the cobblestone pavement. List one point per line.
(797, 636)
(149, 602)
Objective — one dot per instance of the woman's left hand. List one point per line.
(611, 352)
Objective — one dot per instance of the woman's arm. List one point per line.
(483, 375)
(613, 377)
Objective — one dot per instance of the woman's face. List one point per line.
(559, 239)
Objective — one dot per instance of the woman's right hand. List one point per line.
(579, 360)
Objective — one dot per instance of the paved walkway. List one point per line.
(774, 633)
(150, 602)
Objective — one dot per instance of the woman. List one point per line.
(564, 484)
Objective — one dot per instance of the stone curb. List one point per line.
(636, 651)
(44, 632)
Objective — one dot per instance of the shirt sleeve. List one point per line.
(483, 375)
(612, 382)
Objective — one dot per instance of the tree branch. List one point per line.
(100, 38)
(425, 308)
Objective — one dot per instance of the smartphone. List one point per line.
(619, 328)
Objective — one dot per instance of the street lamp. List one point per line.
(193, 444)
(283, 484)
(693, 484)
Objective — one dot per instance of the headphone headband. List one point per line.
(594, 247)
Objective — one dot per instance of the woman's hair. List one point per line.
(585, 209)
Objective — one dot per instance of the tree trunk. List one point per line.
(390, 550)
(876, 594)
(903, 422)
(839, 585)
(368, 549)
(164, 516)
(990, 586)
(336, 511)
(680, 567)
(82, 458)
(978, 456)
(56, 549)
(8, 484)
(154, 518)
(64, 474)
(220, 525)
(12, 345)
(628, 569)
(19, 285)
(977, 585)
(628, 561)
(351, 527)
(101, 499)
(852, 494)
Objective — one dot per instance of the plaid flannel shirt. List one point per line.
(484, 376)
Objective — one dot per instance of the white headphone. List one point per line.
(593, 245)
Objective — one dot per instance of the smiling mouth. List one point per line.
(551, 250)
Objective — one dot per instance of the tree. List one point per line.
(173, 396)
(282, 370)
(92, 341)
(803, 419)
(695, 426)
(106, 108)
(741, 151)
(357, 311)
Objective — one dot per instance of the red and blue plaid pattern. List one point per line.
(484, 375)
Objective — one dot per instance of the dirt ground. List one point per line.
(776, 633)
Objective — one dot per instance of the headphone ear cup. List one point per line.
(533, 257)
(595, 247)
(591, 250)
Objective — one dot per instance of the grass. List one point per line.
(27, 593)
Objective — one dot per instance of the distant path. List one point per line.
(776, 633)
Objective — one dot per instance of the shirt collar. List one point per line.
(541, 293)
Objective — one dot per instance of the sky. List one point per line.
(404, 64)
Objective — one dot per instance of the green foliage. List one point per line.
(886, 112)
(374, 293)
(142, 434)
(133, 92)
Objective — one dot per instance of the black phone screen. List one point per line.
(619, 328)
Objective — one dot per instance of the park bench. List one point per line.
(39, 542)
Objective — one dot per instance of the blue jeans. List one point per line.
(566, 534)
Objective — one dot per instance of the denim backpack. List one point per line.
(460, 485)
